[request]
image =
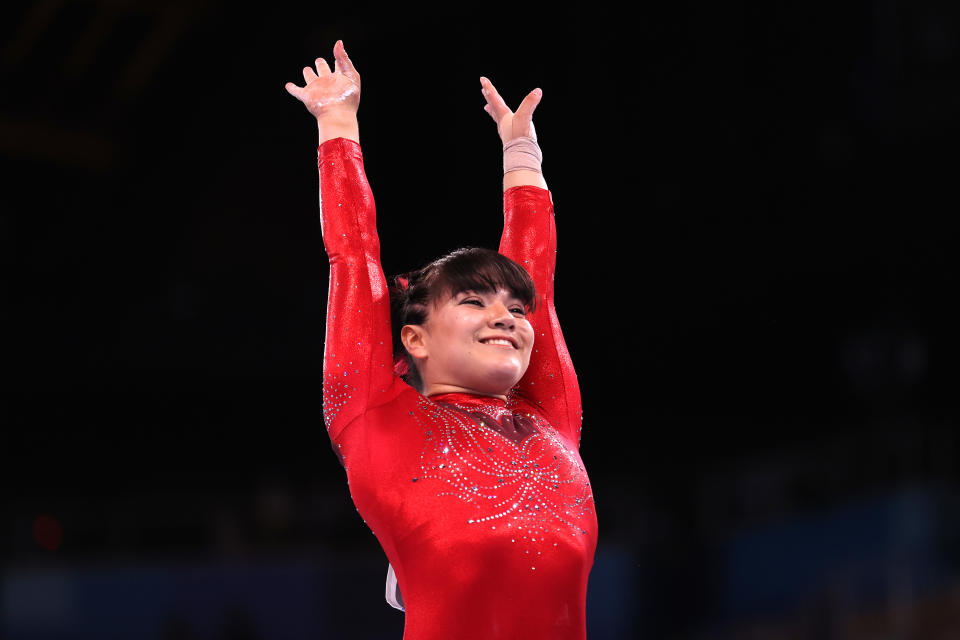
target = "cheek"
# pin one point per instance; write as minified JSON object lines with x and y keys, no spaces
{"x":526,"y":327}
{"x":450,"y":325}
{"x":456,"y":332}
{"x":527,"y":334}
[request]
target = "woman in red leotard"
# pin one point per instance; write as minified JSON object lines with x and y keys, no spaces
{"x":462,"y":455}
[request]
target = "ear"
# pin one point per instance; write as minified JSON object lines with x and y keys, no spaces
{"x":414,"y":340}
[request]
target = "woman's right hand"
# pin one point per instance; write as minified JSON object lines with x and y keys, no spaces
{"x":333,"y":97}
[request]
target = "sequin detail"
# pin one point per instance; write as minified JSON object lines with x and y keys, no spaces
{"x":335,"y":394}
{"x":535,"y":485}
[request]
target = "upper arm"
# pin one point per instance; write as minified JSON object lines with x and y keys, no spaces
{"x":530,"y":238}
{"x":357,"y":364}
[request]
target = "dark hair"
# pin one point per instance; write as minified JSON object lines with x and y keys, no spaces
{"x":466,"y":269}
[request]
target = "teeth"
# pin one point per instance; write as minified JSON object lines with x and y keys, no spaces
{"x":498,"y":341}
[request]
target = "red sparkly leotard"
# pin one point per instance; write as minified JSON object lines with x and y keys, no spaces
{"x":483,"y":507}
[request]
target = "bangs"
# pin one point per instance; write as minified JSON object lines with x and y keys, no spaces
{"x":483,"y":271}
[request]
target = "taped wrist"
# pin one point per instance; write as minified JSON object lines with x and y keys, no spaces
{"x":522,"y":153}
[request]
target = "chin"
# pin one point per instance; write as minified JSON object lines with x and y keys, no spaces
{"x":503,"y":380}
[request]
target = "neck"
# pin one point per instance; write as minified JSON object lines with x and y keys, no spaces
{"x":439,"y":388}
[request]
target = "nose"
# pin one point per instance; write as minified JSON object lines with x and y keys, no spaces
{"x":501,"y":317}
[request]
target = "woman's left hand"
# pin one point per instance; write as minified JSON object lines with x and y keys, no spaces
{"x":510,"y":124}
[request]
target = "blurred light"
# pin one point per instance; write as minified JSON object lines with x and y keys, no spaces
{"x":48,"y":532}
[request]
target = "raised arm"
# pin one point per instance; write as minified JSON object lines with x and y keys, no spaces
{"x":357,"y":369}
{"x":530,"y":238}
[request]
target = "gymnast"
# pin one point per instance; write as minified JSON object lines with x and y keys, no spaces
{"x":450,"y":397}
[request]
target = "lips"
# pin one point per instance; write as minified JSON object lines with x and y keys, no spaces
{"x":504,"y":341}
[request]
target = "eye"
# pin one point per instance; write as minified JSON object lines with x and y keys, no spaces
{"x":475,"y":301}
{"x":518,"y":310}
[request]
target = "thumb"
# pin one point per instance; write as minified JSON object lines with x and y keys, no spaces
{"x":529,"y":104}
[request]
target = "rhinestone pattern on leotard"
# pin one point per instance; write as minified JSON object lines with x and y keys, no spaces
{"x":513,"y":467}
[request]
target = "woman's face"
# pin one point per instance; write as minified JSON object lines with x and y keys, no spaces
{"x":475,"y":343}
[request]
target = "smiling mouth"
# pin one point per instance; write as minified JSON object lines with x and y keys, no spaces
{"x":502,"y":342}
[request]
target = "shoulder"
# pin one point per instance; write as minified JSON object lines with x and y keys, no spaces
{"x":545,"y":419}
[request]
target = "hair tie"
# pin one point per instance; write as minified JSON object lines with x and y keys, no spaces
{"x":401,"y":367}
{"x":403,"y":282}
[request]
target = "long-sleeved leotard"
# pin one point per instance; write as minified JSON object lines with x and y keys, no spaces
{"x":483,"y":507}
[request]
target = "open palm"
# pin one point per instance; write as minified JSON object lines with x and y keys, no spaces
{"x":325,"y":90}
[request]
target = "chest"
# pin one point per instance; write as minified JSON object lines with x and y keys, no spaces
{"x":467,"y":476}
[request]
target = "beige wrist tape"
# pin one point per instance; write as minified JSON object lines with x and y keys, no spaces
{"x":522,"y":153}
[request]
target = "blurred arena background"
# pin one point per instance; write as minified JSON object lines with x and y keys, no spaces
{"x":757,"y":277}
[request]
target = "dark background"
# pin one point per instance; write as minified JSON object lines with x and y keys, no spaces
{"x":757,"y":278}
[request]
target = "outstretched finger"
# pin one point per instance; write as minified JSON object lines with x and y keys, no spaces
{"x":323,"y":68}
{"x":295,"y":91}
{"x":489,"y":111}
{"x":529,"y":104}
{"x":342,"y":63}
{"x":309,"y":75}
{"x":498,"y":108}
